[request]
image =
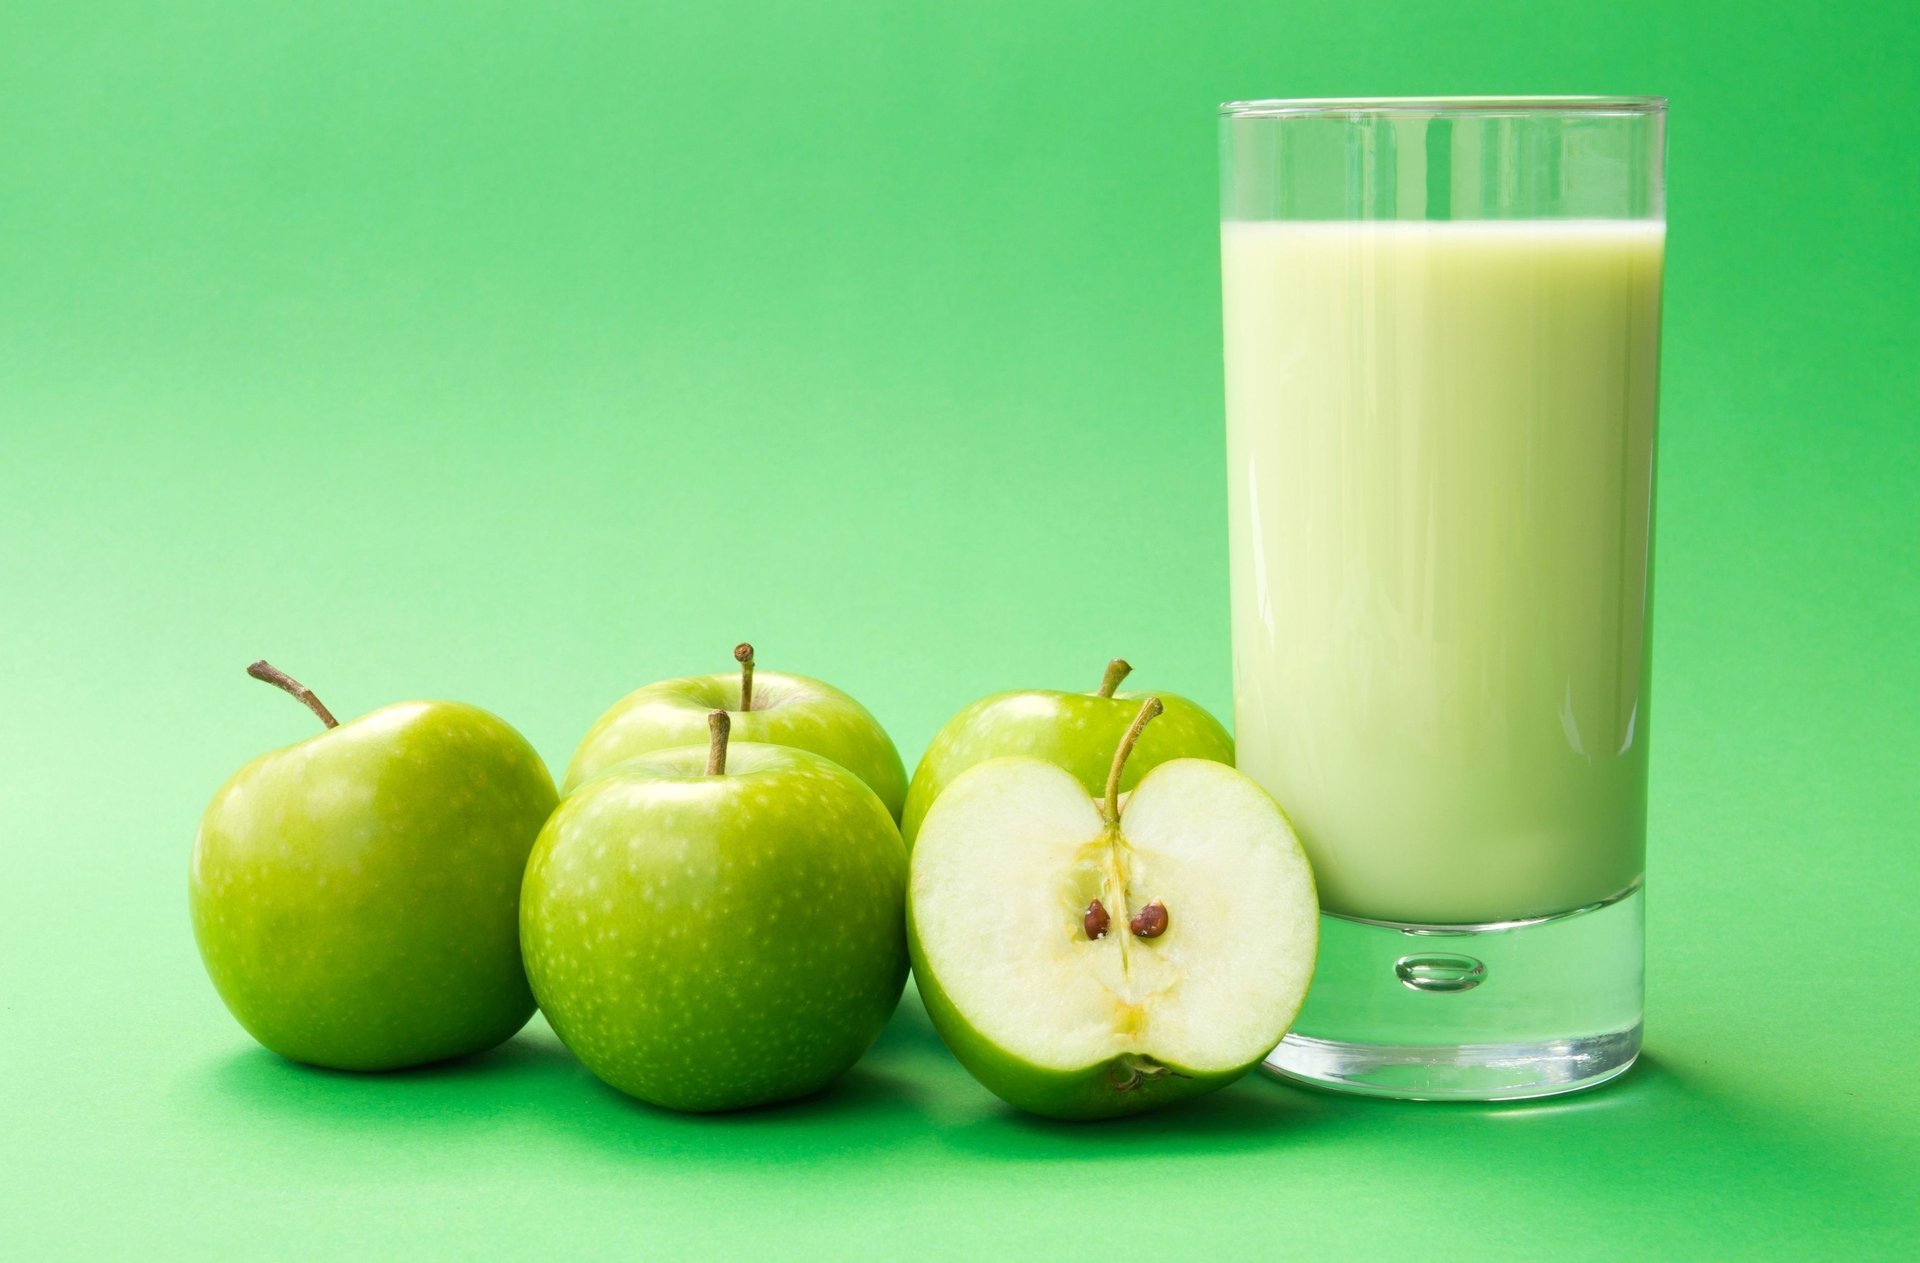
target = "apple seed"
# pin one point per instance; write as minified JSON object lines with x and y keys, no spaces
{"x":1150,"y":921}
{"x":1095,"y":922}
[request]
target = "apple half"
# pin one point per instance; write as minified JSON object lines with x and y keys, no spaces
{"x":1084,"y":963}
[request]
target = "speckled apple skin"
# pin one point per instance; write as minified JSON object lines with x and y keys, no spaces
{"x":355,"y":897}
{"x":715,"y":942}
{"x":788,"y":710}
{"x":1075,"y":731}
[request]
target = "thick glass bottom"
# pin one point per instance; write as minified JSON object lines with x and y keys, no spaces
{"x":1494,"y":1012}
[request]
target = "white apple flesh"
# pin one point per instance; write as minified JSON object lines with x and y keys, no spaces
{"x":1180,"y":1001}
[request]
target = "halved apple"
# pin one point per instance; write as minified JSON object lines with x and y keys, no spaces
{"x":1085,"y":963}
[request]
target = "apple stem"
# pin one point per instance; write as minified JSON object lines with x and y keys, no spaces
{"x":718,"y":726}
{"x":1117,"y":670}
{"x":743,"y":654}
{"x":1148,"y":709}
{"x":264,"y":670}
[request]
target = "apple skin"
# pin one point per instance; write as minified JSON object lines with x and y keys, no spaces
{"x":355,"y":896}
{"x":1084,"y":1097}
{"x":1074,"y":731}
{"x":789,"y":710}
{"x":715,"y":942}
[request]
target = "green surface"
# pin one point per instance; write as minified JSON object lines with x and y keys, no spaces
{"x":521,"y":355}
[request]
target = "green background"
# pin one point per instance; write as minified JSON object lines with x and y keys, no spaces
{"x":521,"y":354}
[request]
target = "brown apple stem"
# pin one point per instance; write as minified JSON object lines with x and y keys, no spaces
{"x":743,"y":654}
{"x":718,"y":726}
{"x":264,"y":670}
{"x":1148,"y":709}
{"x":1117,"y":670}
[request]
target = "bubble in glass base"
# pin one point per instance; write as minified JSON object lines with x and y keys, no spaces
{"x":1497,"y":1012}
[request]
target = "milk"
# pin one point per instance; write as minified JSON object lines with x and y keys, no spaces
{"x":1440,"y":451}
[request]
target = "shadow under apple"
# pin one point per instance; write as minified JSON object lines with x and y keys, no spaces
{"x":472,"y":1090}
{"x":534,"y":1090}
{"x":1243,"y":1117}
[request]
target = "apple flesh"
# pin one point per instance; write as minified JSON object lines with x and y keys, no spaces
{"x":787,"y":710}
{"x":1075,"y":731}
{"x":355,"y":896}
{"x":713,"y":941}
{"x":1182,"y":979}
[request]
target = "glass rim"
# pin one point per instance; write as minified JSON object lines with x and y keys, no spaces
{"x":1378,"y":106}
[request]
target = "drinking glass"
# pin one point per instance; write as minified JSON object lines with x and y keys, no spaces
{"x":1442,"y":328}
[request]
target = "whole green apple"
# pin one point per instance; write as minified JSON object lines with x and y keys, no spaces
{"x":1075,"y":731}
{"x":772,"y":708}
{"x":713,"y":928}
{"x":355,"y":896}
{"x":1084,"y":961}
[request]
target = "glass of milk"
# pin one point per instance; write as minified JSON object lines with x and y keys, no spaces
{"x":1442,"y":325}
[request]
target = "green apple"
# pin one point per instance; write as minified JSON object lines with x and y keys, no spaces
{"x":355,"y":895}
{"x":772,"y":708}
{"x":711,"y":928}
{"x":1084,"y":962}
{"x":1075,"y":731}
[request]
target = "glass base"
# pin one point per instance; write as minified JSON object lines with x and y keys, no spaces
{"x":1494,"y":1012}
